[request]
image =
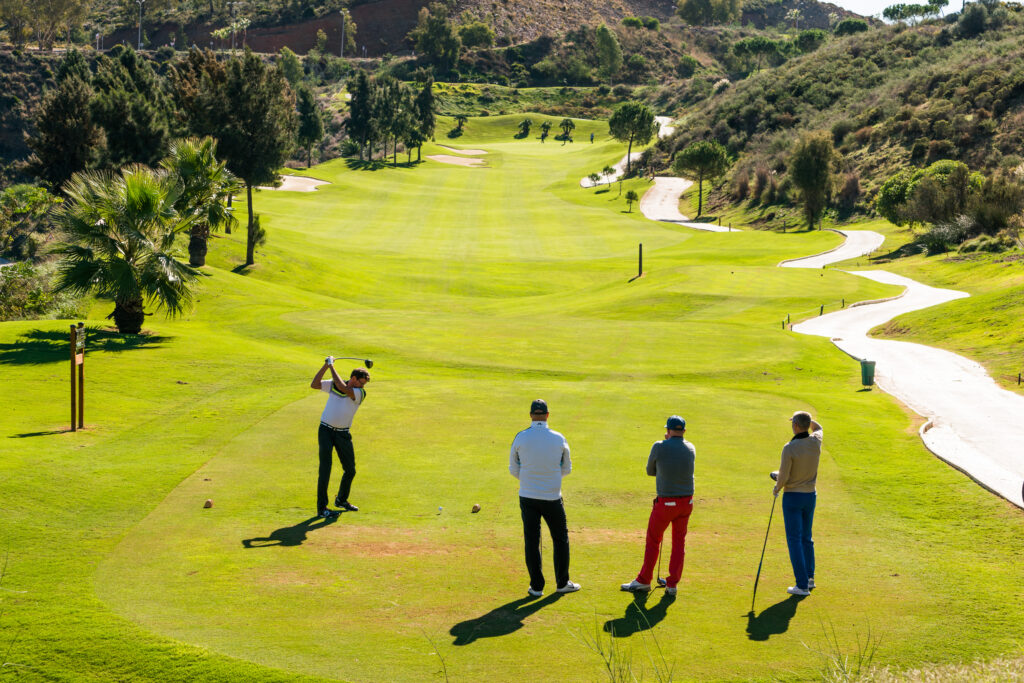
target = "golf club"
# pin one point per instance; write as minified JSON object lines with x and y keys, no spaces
{"x":758,"y":577}
{"x":366,"y":361}
{"x":661,"y":581}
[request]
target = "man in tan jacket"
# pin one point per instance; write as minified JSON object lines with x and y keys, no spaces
{"x":797,"y":476}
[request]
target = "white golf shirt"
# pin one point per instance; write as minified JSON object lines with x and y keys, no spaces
{"x":340,"y":409}
{"x":539,"y":459}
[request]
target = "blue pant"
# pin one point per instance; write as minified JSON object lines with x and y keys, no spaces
{"x":798,"y":513}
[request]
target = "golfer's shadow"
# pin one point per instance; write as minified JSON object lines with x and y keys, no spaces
{"x":289,"y":535}
{"x":772,"y":621}
{"x":638,"y":616}
{"x":500,"y":621}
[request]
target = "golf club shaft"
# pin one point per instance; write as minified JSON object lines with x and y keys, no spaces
{"x":758,"y":577}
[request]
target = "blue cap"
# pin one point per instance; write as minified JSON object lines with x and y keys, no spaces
{"x":675,"y":422}
{"x":539,"y":407}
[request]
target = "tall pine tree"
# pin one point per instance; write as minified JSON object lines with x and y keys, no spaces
{"x":257,"y":126}
{"x":311,"y":123}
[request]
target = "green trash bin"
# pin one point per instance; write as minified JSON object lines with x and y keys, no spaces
{"x":867,"y":372}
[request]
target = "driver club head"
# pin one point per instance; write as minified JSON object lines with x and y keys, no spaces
{"x":368,"y":363}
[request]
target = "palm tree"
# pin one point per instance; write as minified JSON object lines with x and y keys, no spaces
{"x":205,"y":182}
{"x":567,"y":127}
{"x":121,"y":229}
{"x":524,"y":127}
{"x":460,"y":121}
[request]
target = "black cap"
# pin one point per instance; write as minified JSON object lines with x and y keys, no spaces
{"x":675,"y":422}
{"x":539,"y":407}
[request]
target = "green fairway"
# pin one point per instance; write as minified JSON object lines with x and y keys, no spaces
{"x":475,"y":290}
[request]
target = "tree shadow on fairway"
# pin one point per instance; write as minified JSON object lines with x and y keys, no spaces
{"x":500,"y":621}
{"x":361,"y":165}
{"x":638,"y":616}
{"x":289,"y":535}
{"x":52,"y":346}
{"x":772,"y":621}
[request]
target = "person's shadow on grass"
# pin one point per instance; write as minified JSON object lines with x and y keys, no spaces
{"x":772,"y":621}
{"x":638,"y":616}
{"x":289,"y":535}
{"x":500,"y":621}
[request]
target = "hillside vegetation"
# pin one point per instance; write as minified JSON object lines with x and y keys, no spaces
{"x":892,"y":97}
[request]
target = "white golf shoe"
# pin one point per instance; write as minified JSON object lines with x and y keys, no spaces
{"x":810,"y":584}
{"x":797,"y":590}
{"x":569,"y":587}
{"x":635,"y":585}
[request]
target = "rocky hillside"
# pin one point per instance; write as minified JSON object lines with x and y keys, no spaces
{"x":384,"y":24}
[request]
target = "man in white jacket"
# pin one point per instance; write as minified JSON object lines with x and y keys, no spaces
{"x":539,"y":459}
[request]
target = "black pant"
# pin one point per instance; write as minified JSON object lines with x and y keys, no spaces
{"x":329,"y":440}
{"x":553,"y":513}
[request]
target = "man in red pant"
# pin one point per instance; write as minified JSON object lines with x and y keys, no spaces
{"x":671,"y":462}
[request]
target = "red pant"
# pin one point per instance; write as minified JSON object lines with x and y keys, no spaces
{"x":675,"y":511}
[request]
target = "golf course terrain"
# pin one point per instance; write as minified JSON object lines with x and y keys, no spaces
{"x":476,"y":289}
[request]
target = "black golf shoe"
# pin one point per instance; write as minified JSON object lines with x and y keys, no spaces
{"x":345,"y":505}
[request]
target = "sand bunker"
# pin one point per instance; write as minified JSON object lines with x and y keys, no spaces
{"x":470,"y":152}
{"x":297,"y":183}
{"x":457,"y":161}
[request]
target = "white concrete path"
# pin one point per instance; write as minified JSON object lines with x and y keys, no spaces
{"x":620,"y":168}
{"x":973,"y":423}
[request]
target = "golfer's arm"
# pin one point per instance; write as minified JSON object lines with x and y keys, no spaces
{"x":815,"y":427}
{"x":513,"y":463}
{"x":784,"y":467}
{"x":341,"y":385}
{"x":315,"y":384}
{"x":566,"y":462}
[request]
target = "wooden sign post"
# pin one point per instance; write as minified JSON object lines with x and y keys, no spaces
{"x":78,"y":362}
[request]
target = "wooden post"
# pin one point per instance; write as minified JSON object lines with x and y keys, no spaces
{"x":80,"y":358}
{"x":822,"y":311}
{"x":74,"y":346}
{"x":844,"y":302}
{"x":640,"y":267}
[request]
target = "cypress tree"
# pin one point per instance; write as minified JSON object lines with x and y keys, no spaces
{"x":424,"y":107}
{"x":311,"y":124}
{"x":358,"y":124}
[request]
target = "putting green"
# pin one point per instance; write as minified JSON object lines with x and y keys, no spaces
{"x":476,"y":290}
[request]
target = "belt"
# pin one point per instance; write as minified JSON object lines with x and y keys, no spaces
{"x":333,"y":428}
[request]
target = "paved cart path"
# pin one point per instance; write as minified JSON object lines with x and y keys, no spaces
{"x":973,"y":423}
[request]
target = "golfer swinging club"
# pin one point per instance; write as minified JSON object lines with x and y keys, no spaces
{"x":539,"y":459}
{"x":343,"y":400}
{"x":671,"y":462}
{"x":797,"y":476}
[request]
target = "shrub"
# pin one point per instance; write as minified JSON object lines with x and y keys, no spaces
{"x":849,"y":192}
{"x":622,"y":90}
{"x":742,"y":185}
{"x":842,"y":128}
{"x":633,"y":22}
{"x":972,"y":20}
{"x":943,"y":236}
{"x":989,"y":243}
{"x":651,"y":24}
{"x":721,"y":85}
{"x":848,"y":27}
{"x":603,"y":89}
{"x":687,"y":66}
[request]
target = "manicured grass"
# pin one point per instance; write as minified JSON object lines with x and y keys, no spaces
{"x":475,"y":290}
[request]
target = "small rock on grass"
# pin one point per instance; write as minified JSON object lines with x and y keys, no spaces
{"x":208,"y":503}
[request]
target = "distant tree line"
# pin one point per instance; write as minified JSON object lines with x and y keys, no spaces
{"x":384,"y":111}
